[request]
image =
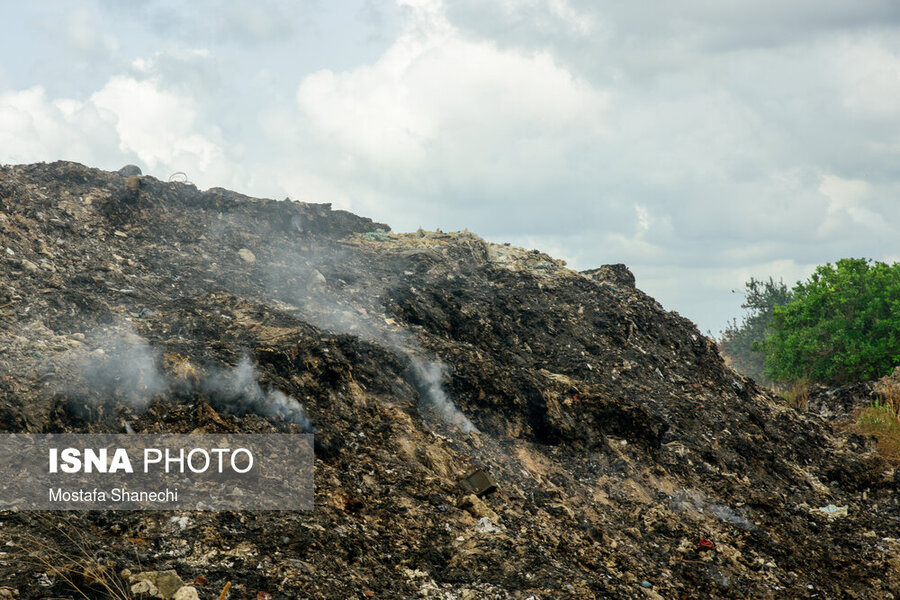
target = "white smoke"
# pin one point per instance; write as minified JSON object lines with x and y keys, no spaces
{"x":294,"y":281}
{"x":238,"y":391}
{"x":433,"y":398}
{"x":120,"y":369}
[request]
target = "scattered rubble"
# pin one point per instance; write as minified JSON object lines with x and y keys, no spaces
{"x":627,"y":460}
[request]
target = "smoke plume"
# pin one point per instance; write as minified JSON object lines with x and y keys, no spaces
{"x":294,"y":282}
{"x":120,"y":370}
{"x":433,"y":398}
{"x":238,"y":391}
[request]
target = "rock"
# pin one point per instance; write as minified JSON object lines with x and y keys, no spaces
{"x":129,"y":170}
{"x":160,"y":584}
{"x":651,"y":594}
{"x":144,"y":587}
{"x":168,"y":583}
{"x":8,"y":593}
{"x":247,"y":256}
{"x":187,"y":592}
{"x":476,"y":507}
{"x":28,"y":265}
{"x":479,"y":482}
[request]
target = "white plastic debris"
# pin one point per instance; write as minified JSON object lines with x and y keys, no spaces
{"x":831,"y":511}
{"x":485,"y":525}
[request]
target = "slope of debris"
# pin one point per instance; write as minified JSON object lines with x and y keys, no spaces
{"x":627,"y":460}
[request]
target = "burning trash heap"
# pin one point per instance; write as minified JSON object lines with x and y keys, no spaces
{"x":487,"y":422}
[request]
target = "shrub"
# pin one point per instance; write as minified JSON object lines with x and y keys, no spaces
{"x":841,"y":326}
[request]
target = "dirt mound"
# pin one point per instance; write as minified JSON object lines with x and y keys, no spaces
{"x":628,"y":460}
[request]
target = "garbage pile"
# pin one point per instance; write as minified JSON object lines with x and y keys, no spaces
{"x":488,"y":423}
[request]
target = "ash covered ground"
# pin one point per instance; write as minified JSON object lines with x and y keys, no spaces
{"x":629,"y":461}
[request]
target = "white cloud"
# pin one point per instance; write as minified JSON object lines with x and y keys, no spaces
{"x":156,"y":125}
{"x":34,"y":128}
{"x":260,"y":21}
{"x":846,"y":206}
{"x":125,"y":121}
{"x":248,"y":23}
{"x":643,"y":218}
{"x":438,"y":111}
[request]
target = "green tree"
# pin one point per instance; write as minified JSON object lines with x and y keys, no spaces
{"x":841,"y":326}
{"x":740,"y":343}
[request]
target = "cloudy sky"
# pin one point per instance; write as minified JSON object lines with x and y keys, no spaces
{"x":701,"y":142}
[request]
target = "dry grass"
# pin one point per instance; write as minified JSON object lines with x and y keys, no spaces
{"x":77,"y":565}
{"x":882,"y":419}
{"x":797,"y":394}
{"x":181,"y":369}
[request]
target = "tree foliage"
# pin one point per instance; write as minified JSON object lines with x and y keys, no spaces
{"x":740,"y":343}
{"x":842,"y":325}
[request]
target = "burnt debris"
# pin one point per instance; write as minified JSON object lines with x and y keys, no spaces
{"x":611,"y":452}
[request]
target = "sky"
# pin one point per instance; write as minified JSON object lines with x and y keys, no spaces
{"x":700,"y":142}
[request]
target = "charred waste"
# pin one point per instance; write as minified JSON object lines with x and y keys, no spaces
{"x":488,"y":423}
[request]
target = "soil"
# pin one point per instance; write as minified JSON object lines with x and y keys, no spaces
{"x":628,"y":461}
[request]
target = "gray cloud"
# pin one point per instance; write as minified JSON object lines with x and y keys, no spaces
{"x":723,"y":26}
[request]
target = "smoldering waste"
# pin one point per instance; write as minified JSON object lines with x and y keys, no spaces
{"x":624,"y":460}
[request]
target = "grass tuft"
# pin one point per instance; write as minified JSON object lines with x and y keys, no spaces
{"x":75,"y":563}
{"x":882,"y":419}
{"x":797,"y":394}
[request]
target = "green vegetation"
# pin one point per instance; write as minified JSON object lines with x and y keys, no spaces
{"x":842,"y":325}
{"x":740,"y":343}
